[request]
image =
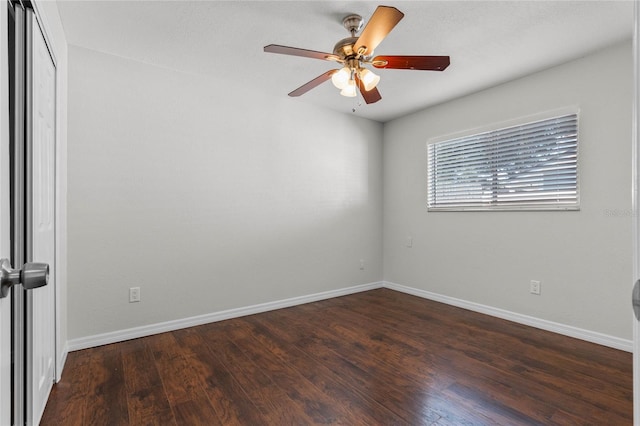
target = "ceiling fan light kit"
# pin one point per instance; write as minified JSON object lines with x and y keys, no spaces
{"x":356,"y":52}
{"x":349,"y":89}
{"x":341,"y":77}
{"x":369,"y":79}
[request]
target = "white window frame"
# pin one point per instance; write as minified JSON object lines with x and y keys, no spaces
{"x":486,"y":130}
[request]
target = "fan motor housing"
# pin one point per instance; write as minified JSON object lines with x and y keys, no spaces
{"x":344,"y":48}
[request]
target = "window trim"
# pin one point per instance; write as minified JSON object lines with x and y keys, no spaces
{"x":521,"y":121}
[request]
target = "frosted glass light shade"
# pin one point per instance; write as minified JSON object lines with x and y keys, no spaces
{"x":369,"y":79}
{"x":349,"y":90}
{"x":341,"y":78}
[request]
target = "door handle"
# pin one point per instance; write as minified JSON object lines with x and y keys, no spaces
{"x":32,"y":275}
{"x":635,"y":299}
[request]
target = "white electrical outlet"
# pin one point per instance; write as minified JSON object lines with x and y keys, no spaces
{"x":534,"y":287}
{"x":361,"y":264}
{"x":134,"y":294}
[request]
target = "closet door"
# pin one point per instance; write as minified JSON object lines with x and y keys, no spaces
{"x":27,"y":222}
{"x":5,"y":239}
{"x":40,"y":218}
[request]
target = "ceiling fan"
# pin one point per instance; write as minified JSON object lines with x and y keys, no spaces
{"x":356,"y":52}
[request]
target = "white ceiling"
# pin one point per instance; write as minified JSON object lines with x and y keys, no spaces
{"x":489,"y":42}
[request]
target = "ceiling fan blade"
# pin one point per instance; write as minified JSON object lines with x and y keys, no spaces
{"x":313,"y":83}
{"x":370,"y":97}
{"x":428,"y":63}
{"x":381,"y":23}
{"x":286,"y":50}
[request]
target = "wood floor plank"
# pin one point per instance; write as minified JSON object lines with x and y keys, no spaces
{"x":179,"y":381}
{"x":377,"y":357}
{"x":146,"y":399}
{"x":584,"y":387}
{"x":302,"y":385}
{"x":393,"y":387}
{"x":477,"y":362}
{"x":575,"y":350}
{"x":313,"y":402}
{"x":107,"y":402}
{"x":326,"y":379}
{"x":197,"y":411}
{"x":230,"y":402}
{"x":270,"y":399}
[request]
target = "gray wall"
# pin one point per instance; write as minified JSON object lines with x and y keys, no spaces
{"x":583,"y":259}
{"x":209,"y":196}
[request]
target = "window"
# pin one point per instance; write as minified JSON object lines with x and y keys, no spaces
{"x":532,"y":166}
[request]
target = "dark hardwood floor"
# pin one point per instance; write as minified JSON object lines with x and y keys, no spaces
{"x":374,"y":358}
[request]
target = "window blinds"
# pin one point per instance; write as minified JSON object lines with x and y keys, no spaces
{"x":530,"y":166}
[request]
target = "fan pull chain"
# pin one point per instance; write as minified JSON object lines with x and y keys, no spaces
{"x":357,"y":104}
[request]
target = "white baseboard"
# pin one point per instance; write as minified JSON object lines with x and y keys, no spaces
{"x":148,"y":330}
{"x":567,"y":330}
